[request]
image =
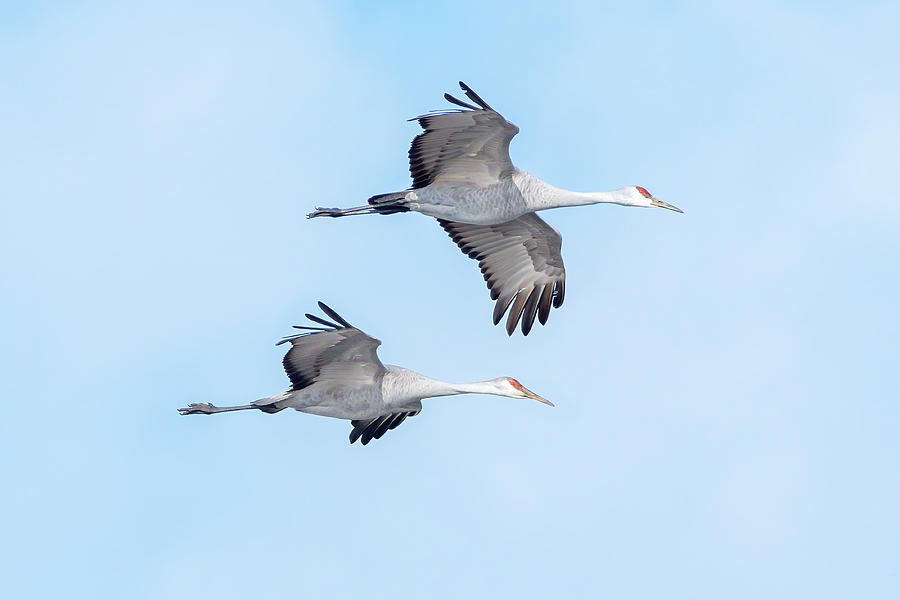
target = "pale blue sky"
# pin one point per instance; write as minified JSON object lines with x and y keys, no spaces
{"x":726,"y":380}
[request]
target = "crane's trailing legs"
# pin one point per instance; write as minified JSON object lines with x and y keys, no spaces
{"x":205,"y":408}
{"x":382,"y":204}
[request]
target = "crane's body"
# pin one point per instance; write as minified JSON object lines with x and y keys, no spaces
{"x":395,"y":390}
{"x":463,"y":176}
{"x":497,"y":203}
{"x":508,"y":199}
{"x":335,"y":372}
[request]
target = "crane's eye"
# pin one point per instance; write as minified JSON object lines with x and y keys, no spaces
{"x":643,"y":192}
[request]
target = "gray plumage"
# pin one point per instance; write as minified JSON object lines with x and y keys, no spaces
{"x":521,"y":263}
{"x":462,"y":146}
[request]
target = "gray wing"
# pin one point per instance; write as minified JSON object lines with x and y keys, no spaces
{"x":341,"y":354}
{"x":337,"y":352}
{"x":468,"y":146}
{"x":522,"y":265}
{"x":370,"y":429}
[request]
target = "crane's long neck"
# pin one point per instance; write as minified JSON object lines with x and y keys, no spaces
{"x":540,"y":195}
{"x":475,"y":387}
{"x":401,"y":385}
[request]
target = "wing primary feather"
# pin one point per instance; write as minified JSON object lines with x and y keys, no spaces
{"x":369,"y":433}
{"x":546,"y":303}
{"x":560,"y":293}
{"x":521,"y":263}
{"x":356,"y":432}
{"x":309,"y":328}
{"x":459,"y":102}
{"x":475,"y":97}
{"x":316,"y":319}
{"x":385,"y":425}
{"x":331,"y":313}
{"x":291,"y":338}
{"x":397,"y":420}
{"x":367,"y":430}
{"x":515,"y":313}
{"x":530,"y":311}
{"x":500,"y":308}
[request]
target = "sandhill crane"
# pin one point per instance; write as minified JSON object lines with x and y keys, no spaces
{"x":335,"y":372}
{"x":463,"y":176}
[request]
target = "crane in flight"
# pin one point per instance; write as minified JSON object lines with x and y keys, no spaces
{"x":463,"y":176}
{"x":335,"y":372}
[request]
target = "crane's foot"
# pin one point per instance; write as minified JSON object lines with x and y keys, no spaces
{"x":202,"y":408}
{"x":342,"y":212}
{"x":326,"y":212}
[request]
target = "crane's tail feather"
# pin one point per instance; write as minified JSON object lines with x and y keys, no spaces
{"x":271,"y":404}
{"x":388,"y":204}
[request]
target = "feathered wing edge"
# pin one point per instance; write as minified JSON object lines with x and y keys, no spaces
{"x":471,"y":95}
{"x":369,"y":429}
{"x":318,"y":346}
{"x":364,"y":430}
{"x":426,"y":154}
{"x":329,"y":326}
{"x":527,"y":301}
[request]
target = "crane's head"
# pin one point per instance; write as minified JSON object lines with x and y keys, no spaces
{"x":507,"y":386}
{"x":638,"y":196}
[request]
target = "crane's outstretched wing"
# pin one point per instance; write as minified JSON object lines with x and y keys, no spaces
{"x":337,"y":352}
{"x":521,"y":263}
{"x":462,"y":146}
{"x":377,"y":427}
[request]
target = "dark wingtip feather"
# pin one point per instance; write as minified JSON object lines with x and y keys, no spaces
{"x":459,"y":102}
{"x":370,"y":430}
{"x":546,"y":303}
{"x":500,"y":308}
{"x":331,"y":313}
{"x":530,"y":311}
{"x":560,"y":293}
{"x":383,"y":427}
{"x":470,"y":93}
{"x":369,"y":433}
{"x":306,"y":331}
{"x":322,"y":321}
{"x":515,"y":313}
{"x":511,"y":324}
{"x":291,"y":338}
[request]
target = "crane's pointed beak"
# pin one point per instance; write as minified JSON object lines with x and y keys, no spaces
{"x":529,"y":394}
{"x":661,"y":204}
